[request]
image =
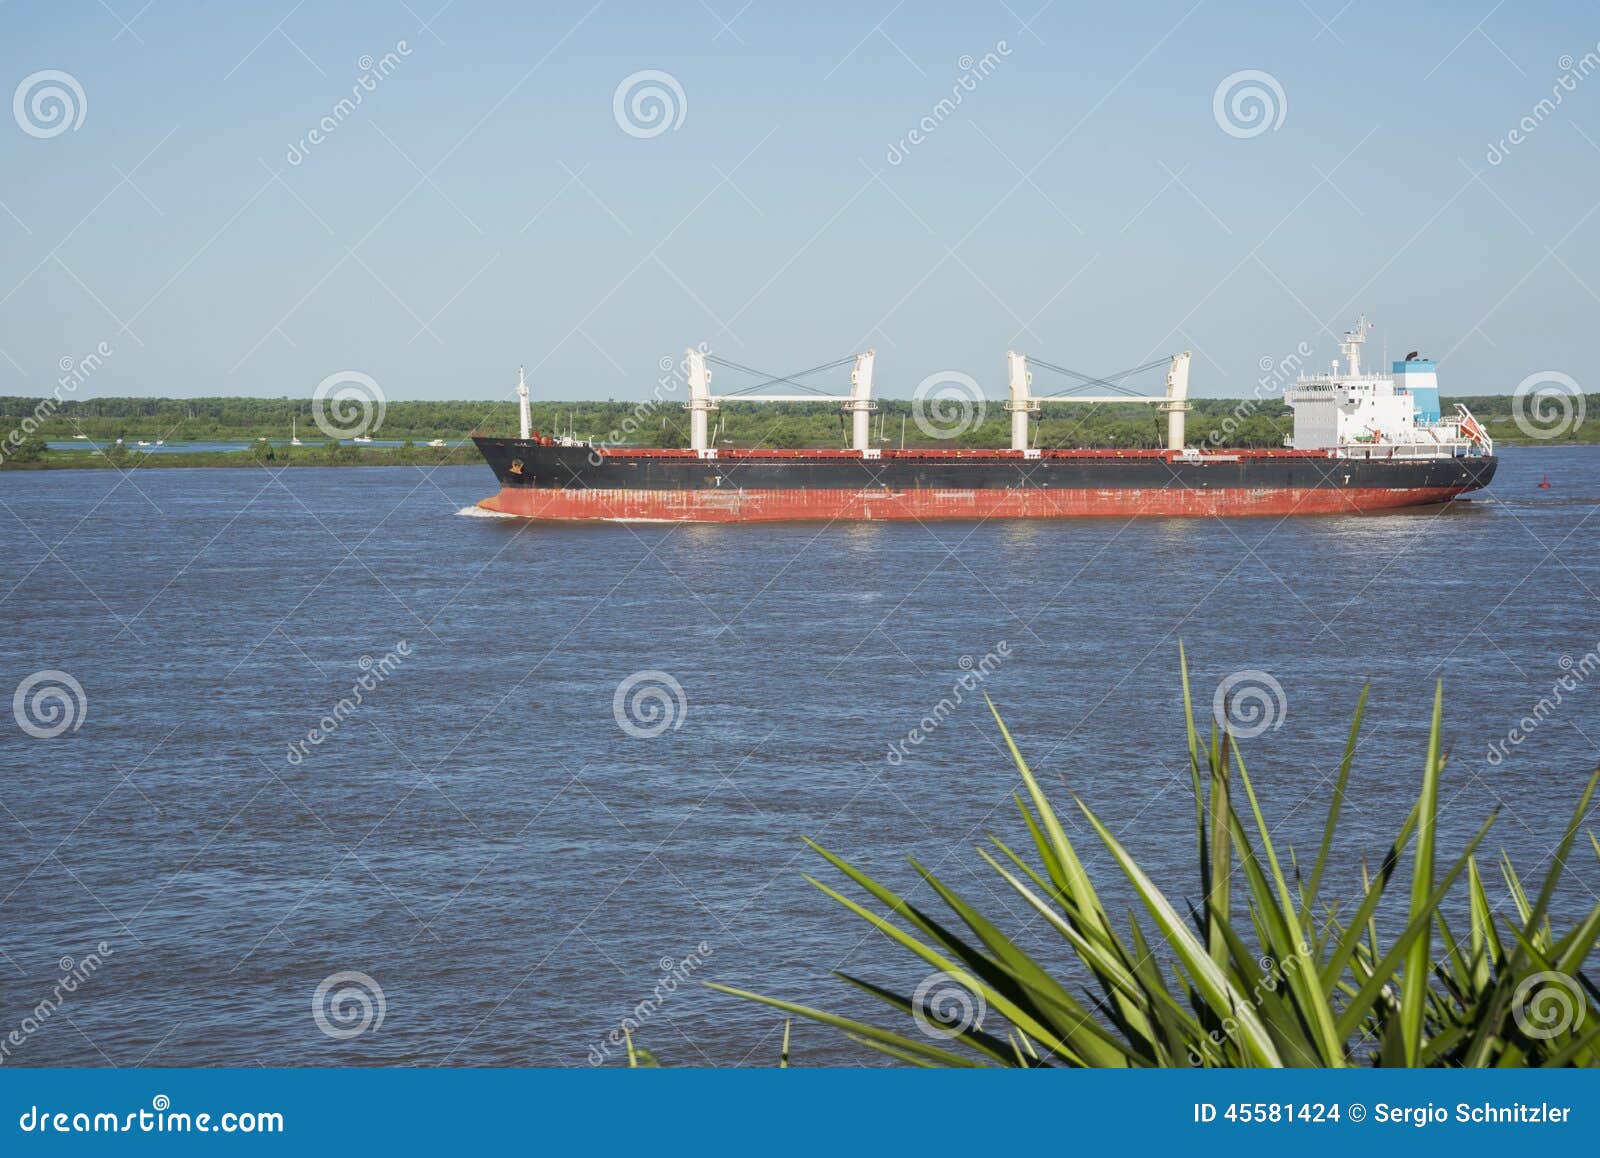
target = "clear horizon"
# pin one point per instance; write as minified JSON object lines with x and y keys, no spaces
{"x":246,"y":201}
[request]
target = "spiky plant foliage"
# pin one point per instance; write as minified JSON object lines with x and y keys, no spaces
{"x":1278,"y":976}
{"x":639,"y":1058}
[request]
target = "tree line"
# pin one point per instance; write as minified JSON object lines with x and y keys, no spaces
{"x":1211,"y":422}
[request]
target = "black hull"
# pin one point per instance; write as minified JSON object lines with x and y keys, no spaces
{"x":547,"y":481}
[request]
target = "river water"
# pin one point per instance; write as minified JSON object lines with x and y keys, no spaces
{"x":517,"y":864}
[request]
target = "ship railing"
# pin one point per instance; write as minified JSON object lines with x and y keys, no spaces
{"x":1446,"y":448}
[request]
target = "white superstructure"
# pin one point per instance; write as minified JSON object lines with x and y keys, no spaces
{"x":1351,"y":414}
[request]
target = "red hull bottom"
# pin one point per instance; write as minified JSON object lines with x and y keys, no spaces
{"x":745,"y":506}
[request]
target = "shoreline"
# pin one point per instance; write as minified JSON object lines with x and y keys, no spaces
{"x":465,"y":455}
{"x":233,"y":459}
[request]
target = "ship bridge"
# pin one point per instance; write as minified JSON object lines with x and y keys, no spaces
{"x":1353,"y":414}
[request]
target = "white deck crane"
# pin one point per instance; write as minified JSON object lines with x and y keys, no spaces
{"x":858,"y":403}
{"x":1023,"y":402}
{"x":525,"y":419}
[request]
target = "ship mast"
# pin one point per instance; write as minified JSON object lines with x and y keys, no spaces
{"x":1176,"y":405}
{"x":1351,"y":346}
{"x":860,"y":405}
{"x":700,"y":402}
{"x":522,"y":405}
{"x":1021,"y":403}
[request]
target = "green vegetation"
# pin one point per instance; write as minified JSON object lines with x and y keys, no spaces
{"x":245,"y":419}
{"x":1281,"y":976}
{"x":1212,"y":422}
{"x":29,"y":450}
{"x":258,"y":454}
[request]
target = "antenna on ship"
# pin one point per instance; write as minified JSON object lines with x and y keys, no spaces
{"x":1351,"y":346}
{"x":526,"y":420}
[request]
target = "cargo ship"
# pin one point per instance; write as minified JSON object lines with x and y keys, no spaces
{"x":1360,"y":442}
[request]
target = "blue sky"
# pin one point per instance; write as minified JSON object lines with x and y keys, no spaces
{"x":483,"y":206}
